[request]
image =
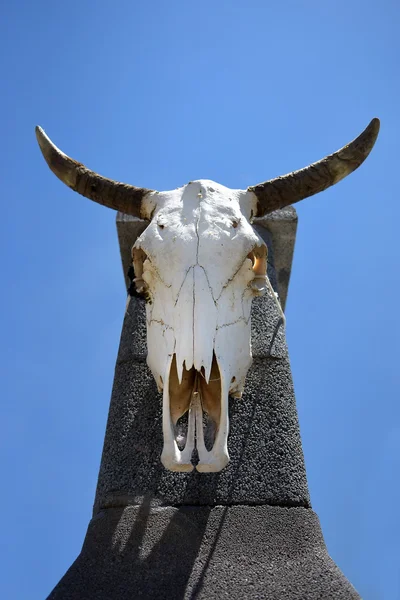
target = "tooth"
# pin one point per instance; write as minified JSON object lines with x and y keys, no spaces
{"x":207,"y":370}
{"x":179,"y":368}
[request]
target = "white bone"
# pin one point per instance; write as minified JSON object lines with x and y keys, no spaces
{"x":217,"y":458}
{"x":204,"y":322}
{"x":172,"y":458}
{"x":192,"y":260}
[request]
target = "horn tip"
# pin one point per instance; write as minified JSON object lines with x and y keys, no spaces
{"x":39,"y":131}
{"x":48,"y":149}
{"x":374,"y":126}
{"x":369,"y":136}
{"x":42,"y":138}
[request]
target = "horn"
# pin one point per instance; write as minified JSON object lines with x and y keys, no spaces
{"x":317,"y":177}
{"x":119,"y":196}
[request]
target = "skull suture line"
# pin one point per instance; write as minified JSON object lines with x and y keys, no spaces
{"x":199,"y":263}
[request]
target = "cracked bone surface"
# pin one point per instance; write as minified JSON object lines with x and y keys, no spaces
{"x":200,"y":264}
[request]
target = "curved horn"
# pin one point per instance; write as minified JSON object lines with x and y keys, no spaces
{"x":317,"y":177}
{"x":119,"y":196}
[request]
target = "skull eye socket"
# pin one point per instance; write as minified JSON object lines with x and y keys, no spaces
{"x":258,"y":257}
{"x":138,"y":258}
{"x":252,"y":257}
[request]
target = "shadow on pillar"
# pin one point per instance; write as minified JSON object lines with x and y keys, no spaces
{"x":136,"y":552}
{"x":205,"y":553}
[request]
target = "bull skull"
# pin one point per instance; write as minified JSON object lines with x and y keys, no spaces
{"x":199,"y":264}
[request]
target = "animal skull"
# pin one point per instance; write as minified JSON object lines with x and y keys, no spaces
{"x":200,"y":263}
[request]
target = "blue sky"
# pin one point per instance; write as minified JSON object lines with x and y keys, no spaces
{"x":157,"y":94}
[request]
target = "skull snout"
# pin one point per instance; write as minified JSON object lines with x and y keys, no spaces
{"x":195,"y":420}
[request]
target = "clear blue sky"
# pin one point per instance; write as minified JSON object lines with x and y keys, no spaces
{"x":156,"y":94}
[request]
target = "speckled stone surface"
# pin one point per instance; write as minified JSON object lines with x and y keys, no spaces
{"x":207,"y":553}
{"x":266,"y":456}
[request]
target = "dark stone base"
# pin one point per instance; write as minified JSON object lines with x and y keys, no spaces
{"x":176,"y":553}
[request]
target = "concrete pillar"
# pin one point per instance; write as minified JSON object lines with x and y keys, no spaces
{"x":247,"y":532}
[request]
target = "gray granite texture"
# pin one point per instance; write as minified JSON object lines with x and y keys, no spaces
{"x":281,"y":226}
{"x":266,"y":455}
{"x":206,"y":553}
